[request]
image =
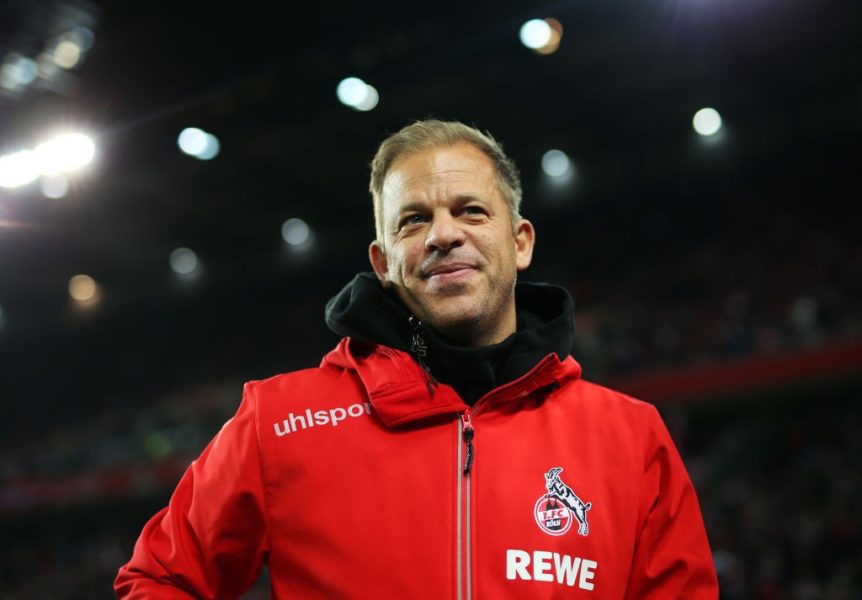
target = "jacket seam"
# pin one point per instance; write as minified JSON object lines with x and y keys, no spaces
{"x":263,"y":491}
{"x":422,"y":413}
{"x":645,"y":428}
{"x":393,"y":387}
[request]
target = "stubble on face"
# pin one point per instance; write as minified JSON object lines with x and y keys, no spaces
{"x":449,"y":250}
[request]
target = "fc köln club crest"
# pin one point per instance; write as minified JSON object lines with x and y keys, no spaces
{"x":556,"y":510}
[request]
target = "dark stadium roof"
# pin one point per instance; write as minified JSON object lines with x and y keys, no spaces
{"x":618,"y":97}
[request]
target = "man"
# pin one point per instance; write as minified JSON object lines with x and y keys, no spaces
{"x":448,"y":447}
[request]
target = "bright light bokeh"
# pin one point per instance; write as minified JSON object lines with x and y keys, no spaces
{"x":18,"y":169}
{"x":706,"y":121}
{"x":192,"y":140}
{"x":198,"y":143}
{"x":535,"y":33}
{"x":47,"y":67}
{"x":542,"y":35}
{"x":211,"y":149}
{"x":184,"y":261}
{"x":67,"y":53}
{"x":65,"y":153}
{"x":54,"y":186}
{"x":357,"y":94}
{"x":9,"y":75}
{"x":27,"y":70}
{"x":556,"y":36}
{"x":83,"y":288}
{"x":295,"y":232}
{"x":83,"y":36}
{"x":370,"y":101}
{"x":351,"y":91}
{"x":555,"y":163}
{"x":17,"y":71}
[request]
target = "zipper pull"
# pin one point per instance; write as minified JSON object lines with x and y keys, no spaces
{"x":468,"y":438}
{"x":420,"y":349}
{"x":418,"y":346}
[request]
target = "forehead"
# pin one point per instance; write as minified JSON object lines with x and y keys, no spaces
{"x":439,"y":170}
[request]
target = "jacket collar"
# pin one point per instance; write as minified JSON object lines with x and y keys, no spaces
{"x":364,"y":311}
{"x":398,"y":389}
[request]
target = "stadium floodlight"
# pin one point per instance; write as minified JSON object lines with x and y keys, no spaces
{"x":54,"y":186}
{"x":535,"y":33}
{"x":17,"y":71}
{"x":351,"y":91}
{"x":370,"y":101}
{"x":198,"y":143}
{"x":82,"y":36}
{"x":357,"y":94}
{"x":28,"y":70}
{"x":542,"y":35}
{"x":62,"y":154}
{"x":556,"y":163}
{"x":18,"y":169}
{"x":192,"y":141}
{"x":706,"y":122}
{"x":83,"y":288}
{"x":65,"y":153}
{"x":212,"y":148}
{"x":67,"y":54}
{"x":295,"y":231}
{"x":183,"y":261}
{"x":69,"y":48}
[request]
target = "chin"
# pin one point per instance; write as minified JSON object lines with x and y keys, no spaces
{"x":454,"y":324}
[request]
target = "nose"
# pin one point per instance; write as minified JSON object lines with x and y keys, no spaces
{"x":444,"y":233}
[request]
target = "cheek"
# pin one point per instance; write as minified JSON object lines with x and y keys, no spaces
{"x":484,"y":243}
{"x":398,"y":264}
{"x":498,"y":248}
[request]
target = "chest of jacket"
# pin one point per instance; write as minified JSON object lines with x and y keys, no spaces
{"x":548,"y":509}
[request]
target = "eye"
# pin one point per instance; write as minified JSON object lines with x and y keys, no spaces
{"x":473,"y":210}
{"x":414,"y":219}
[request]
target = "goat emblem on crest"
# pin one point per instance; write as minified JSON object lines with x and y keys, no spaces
{"x":556,"y":510}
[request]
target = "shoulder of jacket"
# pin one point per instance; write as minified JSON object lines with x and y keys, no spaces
{"x":292,"y":381}
{"x":612,"y":401}
{"x":629,"y":419}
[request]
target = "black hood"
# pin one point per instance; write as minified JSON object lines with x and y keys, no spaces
{"x":364,"y":310}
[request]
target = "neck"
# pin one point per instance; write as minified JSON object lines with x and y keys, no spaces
{"x":478,"y":335}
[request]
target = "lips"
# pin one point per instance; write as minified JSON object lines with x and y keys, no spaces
{"x":448,"y":269}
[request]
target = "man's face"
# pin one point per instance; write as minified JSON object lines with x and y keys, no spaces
{"x":448,"y":247}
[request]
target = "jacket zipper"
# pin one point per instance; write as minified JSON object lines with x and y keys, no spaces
{"x":465,"y":442}
{"x":466,"y":434}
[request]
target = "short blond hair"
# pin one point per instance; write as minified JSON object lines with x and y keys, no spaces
{"x":422,"y":135}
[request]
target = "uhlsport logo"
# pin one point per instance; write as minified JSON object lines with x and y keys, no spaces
{"x":556,"y":510}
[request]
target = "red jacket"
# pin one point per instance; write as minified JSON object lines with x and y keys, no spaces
{"x":349,"y":481}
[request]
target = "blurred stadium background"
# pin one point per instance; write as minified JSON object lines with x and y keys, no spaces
{"x":144,"y":274}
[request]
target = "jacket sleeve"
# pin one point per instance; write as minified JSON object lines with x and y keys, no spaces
{"x":211,"y":540}
{"x":672,"y":558}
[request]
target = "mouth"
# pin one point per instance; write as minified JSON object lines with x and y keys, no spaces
{"x":449,"y":272}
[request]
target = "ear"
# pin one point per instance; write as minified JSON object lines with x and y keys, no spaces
{"x":377,"y":256}
{"x":525,"y":239}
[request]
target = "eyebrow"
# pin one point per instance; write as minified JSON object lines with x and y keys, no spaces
{"x":418,"y":206}
{"x":411,"y":207}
